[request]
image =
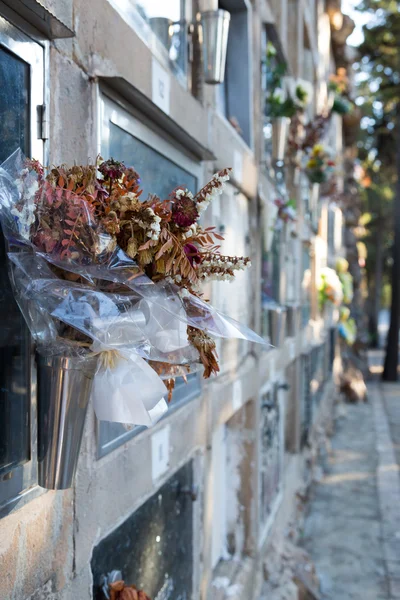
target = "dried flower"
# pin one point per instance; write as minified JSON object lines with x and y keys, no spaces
{"x":120,"y":591}
{"x":184,"y":211}
{"x":112,"y":169}
{"x":192,"y":253}
{"x":286,"y":212}
{"x":35,"y":165}
{"x":132,"y":175}
{"x":214,"y":188}
{"x":205,"y":346}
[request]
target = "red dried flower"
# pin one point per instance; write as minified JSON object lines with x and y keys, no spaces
{"x":35,"y":165}
{"x":184,"y":212}
{"x":112,"y":169}
{"x":192,"y":253}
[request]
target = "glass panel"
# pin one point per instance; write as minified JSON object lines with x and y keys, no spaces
{"x":306,"y":398}
{"x":270,"y":275}
{"x":158,"y":174}
{"x":331,"y":232}
{"x":14,"y":104}
{"x":153,"y":547}
{"x":231,"y":217}
{"x":222,"y":97}
{"x":14,"y":338}
{"x":167,"y":20}
{"x":270,"y":450}
{"x":306,"y":285}
{"x":171,"y":10}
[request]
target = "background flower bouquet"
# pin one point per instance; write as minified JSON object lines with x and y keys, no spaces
{"x":329,"y":288}
{"x":319,"y":166}
{"x":286,"y":212}
{"x":338,"y":89}
{"x":286,"y":101}
{"x":347,"y":326}
{"x":346,"y":279}
{"x":286,"y":95}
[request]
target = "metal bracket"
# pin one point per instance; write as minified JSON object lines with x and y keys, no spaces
{"x":43,"y":122}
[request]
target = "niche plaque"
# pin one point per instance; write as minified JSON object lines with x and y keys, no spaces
{"x":153,"y":548}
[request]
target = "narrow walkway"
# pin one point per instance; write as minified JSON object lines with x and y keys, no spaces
{"x":352,"y":530}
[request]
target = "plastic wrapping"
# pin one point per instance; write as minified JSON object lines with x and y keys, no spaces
{"x":115,"y":390}
{"x":79,"y":291}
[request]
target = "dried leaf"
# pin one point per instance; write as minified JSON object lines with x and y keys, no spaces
{"x":132,"y":248}
{"x":146,"y":245}
{"x":160,"y":265}
{"x":164,"y":248}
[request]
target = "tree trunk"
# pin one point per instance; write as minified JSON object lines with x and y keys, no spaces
{"x":376,"y":301}
{"x":392,"y":345}
{"x":370,"y":307}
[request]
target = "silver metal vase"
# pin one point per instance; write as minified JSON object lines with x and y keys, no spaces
{"x":293,"y":319}
{"x":277,"y":325}
{"x":280,"y":135}
{"x":215,"y":30}
{"x":64,"y":386}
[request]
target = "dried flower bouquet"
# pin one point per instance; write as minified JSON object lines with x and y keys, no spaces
{"x":104,"y":271}
{"x":286,"y":212}
{"x":320,"y":166}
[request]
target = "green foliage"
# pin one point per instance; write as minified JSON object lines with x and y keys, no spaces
{"x":341,"y":105}
{"x":378,"y":86}
{"x":278,"y":102}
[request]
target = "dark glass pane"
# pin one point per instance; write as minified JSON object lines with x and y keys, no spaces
{"x":270,"y":452}
{"x":159,"y":175}
{"x":14,"y":338}
{"x":276,"y":267}
{"x":305,"y":285}
{"x":14,"y":105}
{"x":154,"y":547}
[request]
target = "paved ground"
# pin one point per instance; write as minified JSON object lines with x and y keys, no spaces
{"x":391,"y":398}
{"x":352,"y":530}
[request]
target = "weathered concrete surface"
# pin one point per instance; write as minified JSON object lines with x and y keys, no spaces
{"x":391,"y":400}
{"x":388,"y":486}
{"x":350,"y":529}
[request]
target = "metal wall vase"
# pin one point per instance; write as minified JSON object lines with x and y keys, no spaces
{"x":277,"y":325}
{"x":280,"y":134}
{"x":64,"y":386}
{"x":215,"y":30}
{"x":293,"y":319}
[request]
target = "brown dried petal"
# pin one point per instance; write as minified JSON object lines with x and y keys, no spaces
{"x":132,"y":248}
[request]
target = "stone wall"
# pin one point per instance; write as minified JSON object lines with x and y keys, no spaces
{"x":46,"y":543}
